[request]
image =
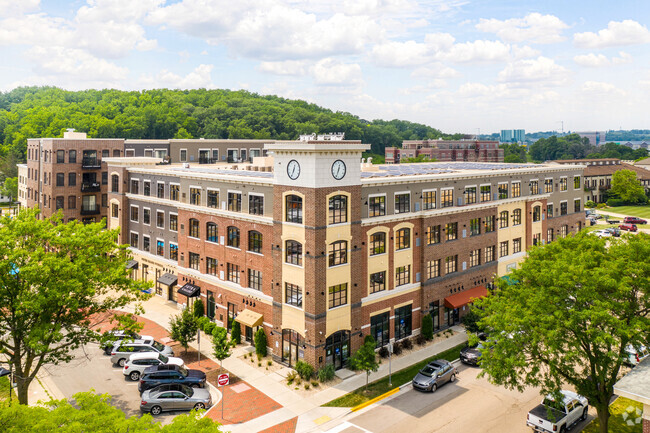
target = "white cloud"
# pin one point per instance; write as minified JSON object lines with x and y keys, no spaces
{"x":200,"y":77}
{"x":541,"y":71}
{"x":18,"y":7}
{"x":437,"y":70}
{"x":332,"y":72}
{"x":617,"y":33}
{"x":288,"y":67}
{"x":439,"y":41}
{"x":482,"y":51}
{"x":592,"y":60}
{"x":534,"y":27}
{"x":601,"y":88}
{"x":431,"y":85}
{"x":622,"y":58}
{"x":72,"y":62}
{"x":400,"y":54}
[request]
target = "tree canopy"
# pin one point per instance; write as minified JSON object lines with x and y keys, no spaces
{"x":626,"y":185}
{"x":56,"y":281}
{"x":574,"y":308}
{"x":572,"y":146}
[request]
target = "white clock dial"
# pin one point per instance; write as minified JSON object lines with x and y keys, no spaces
{"x":338,"y":169}
{"x":293,"y":169}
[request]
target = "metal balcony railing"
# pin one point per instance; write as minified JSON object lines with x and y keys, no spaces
{"x":90,"y":187}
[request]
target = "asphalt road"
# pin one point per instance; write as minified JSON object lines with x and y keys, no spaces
{"x":471,"y":404}
{"x":92,"y":370}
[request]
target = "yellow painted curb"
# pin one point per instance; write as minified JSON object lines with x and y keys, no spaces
{"x":374,"y":400}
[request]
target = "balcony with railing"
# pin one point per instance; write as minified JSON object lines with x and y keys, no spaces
{"x":91,"y":163}
{"x":90,"y":187}
{"x":90,"y":210}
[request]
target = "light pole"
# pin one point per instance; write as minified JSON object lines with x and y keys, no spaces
{"x":390,"y":353}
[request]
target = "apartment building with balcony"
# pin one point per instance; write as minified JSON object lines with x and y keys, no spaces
{"x":446,"y":150}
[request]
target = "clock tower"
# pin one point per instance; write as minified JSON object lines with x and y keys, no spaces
{"x":317,"y":215}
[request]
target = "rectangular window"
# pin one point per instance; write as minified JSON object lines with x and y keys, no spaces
{"x":183,"y":155}
{"x":474,"y":258}
{"x":160,"y":190}
{"x":403,"y":239}
{"x":195,"y":196}
{"x":537,"y":213}
{"x":447,"y":198}
{"x":377,"y":243}
{"x":537,"y":239}
{"x":490,"y":253}
{"x":134,"y":214}
{"x":516,"y":217}
{"x":233,"y":272}
{"x":292,"y":295}
{"x":451,"y":231}
{"x":160,"y":219}
{"x":173,"y":252}
{"x":548,"y":186}
{"x":503,"y":191}
{"x":234,"y":201}
{"x":564,"y":208}
{"x":255,"y":279}
{"x":146,"y":216}
{"x":402,"y":203}
{"x":503,"y":248}
{"x":115,"y":213}
{"x":104,"y":178}
{"x":377,"y":206}
{"x":72,"y":202}
{"x":160,"y":248}
{"x":135,"y":186}
{"x":195,"y":261}
{"x":451,"y":264}
{"x":503,"y":219}
{"x":470,"y":195}
{"x":115,"y":183}
{"x":256,"y":204}
{"x":338,"y":209}
{"x":534,"y":187}
{"x":105,"y":153}
{"x":428,"y":200}
{"x":213,"y":199}
{"x":433,"y":235}
{"x":338,"y":253}
{"x":576,"y":182}
{"x":60,"y":156}
{"x":60,"y":179}
{"x":564,"y":184}
{"x":59,"y":202}
{"x":173,"y":222}
{"x":380,"y":329}
{"x":72,"y":179}
{"x":293,"y":204}
{"x":403,"y":321}
{"x":486,"y":193}
{"x":402,"y":275}
{"x":104,"y":200}
{"x":146,"y":243}
{"x":174,"y":192}
{"x":211,"y":266}
{"x":549,"y":236}
{"x":378,"y":282}
{"x":72,"y":157}
{"x":490,"y":223}
{"x":516,"y":245}
{"x":338,"y":295}
{"x":475,"y":226}
{"x":564,"y":231}
{"x":549,"y":210}
{"x":516,"y":189}
{"x":576,"y":205}
{"x":433,"y":269}
{"x":134,"y":240}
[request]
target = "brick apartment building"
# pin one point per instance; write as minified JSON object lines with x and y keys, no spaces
{"x":446,"y":150}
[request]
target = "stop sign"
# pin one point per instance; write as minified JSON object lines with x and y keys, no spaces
{"x":223,"y":379}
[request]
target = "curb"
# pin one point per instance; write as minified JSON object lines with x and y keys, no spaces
{"x":376,"y":399}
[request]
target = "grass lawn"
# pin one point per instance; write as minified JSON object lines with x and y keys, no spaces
{"x":622,"y":411}
{"x":4,"y":388}
{"x":638,"y":211}
{"x":399,"y":378}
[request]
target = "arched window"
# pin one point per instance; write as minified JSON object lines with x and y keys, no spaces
{"x":403,"y":239}
{"x":338,"y":209}
{"x":377,"y":243}
{"x":294,"y":209}
{"x":233,"y":237}
{"x":194,"y":228}
{"x":516,"y":217}
{"x":255,"y":241}
{"x":212,"y":231}
{"x":293,"y":253}
{"x":115,"y":183}
{"x":503,"y":219}
{"x":338,"y":253}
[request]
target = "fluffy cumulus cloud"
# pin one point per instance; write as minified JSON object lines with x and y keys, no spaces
{"x":18,"y":7}
{"x":200,"y":77}
{"x":332,"y":72}
{"x":601,"y":88}
{"x":534,"y":27}
{"x":401,"y":54}
{"x":288,"y":67}
{"x":436,"y":70}
{"x":541,"y":71}
{"x":617,"y":33}
{"x":592,"y":60}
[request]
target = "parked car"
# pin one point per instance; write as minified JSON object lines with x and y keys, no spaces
{"x":611,"y":221}
{"x":614,"y":231}
{"x":635,"y":355}
{"x":111,"y":338}
{"x":628,"y":227}
{"x":163,"y":374}
{"x":602,"y":233}
{"x":122,"y":351}
{"x":471,"y":354}
{"x":595,"y":216}
{"x":182,"y":397}
{"x":435,"y":374}
{"x":138,"y":363}
{"x":634,"y":220}
{"x":558,"y":416}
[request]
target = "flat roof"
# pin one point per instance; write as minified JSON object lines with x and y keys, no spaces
{"x":429,"y":168}
{"x":636,"y":384}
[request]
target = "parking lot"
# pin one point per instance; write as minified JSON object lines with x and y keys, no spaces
{"x":91,"y":369}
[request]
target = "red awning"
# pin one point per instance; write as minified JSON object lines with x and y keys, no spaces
{"x":464,"y":298}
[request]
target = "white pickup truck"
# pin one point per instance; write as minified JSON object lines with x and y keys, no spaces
{"x":558,"y":416}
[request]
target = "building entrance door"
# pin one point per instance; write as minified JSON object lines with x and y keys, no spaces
{"x":292,"y":349}
{"x":337,"y":349}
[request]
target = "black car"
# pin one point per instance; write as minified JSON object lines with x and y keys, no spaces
{"x":168,"y":374}
{"x":471,"y":354}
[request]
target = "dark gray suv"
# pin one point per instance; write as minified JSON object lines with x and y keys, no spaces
{"x":435,"y":374}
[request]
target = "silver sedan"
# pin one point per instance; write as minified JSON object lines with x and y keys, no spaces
{"x":180,"y":397}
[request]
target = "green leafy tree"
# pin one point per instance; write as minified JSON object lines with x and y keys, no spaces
{"x":10,"y":188}
{"x":220,"y":344}
{"x":260,"y":342}
{"x":427,"y":327}
{"x":470,"y":320}
{"x":57,"y":281}
{"x":93,"y":413}
{"x":626,"y":185}
{"x":184,"y":327}
{"x":125,"y":322}
{"x":365,"y":358}
{"x":419,"y":158}
{"x":198,"y":308}
{"x":576,"y":306}
{"x":235,"y":332}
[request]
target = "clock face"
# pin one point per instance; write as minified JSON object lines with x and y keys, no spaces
{"x":338,"y":169}
{"x":293,"y":169}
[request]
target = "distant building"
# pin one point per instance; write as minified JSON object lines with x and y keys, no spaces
{"x":447,"y":150}
{"x":513,"y":135}
{"x":22,"y":185}
{"x":644,"y":163}
{"x":634,"y":144}
{"x":596,"y":138}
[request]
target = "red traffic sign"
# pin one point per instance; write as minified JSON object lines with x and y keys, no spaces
{"x":223,"y":379}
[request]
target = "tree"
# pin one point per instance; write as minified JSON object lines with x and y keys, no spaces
{"x":184,"y":327}
{"x":575,"y":307}
{"x":427,"y":327}
{"x":470,"y":320}
{"x":220,"y":344}
{"x":235,"y":332}
{"x":198,"y":308}
{"x":57,"y":281}
{"x":125,"y":322}
{"x":419,"y":158}
{"x":365,"y":358}
{"x":260,"y":342}
{"x":93,"y":412}
{"x":626,"y":185}
{"x":10,"y":188}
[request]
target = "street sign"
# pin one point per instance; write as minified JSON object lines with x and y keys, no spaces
{"x":223,"y":379}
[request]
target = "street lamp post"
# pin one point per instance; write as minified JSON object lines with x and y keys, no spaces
{"x":390,"y":353}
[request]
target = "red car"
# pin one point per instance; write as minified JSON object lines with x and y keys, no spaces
{"x":634,"y":220}
{"x":628,"y":227}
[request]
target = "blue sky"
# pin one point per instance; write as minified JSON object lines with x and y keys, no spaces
{"x":460,"y":66}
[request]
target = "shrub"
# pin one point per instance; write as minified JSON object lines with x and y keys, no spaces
{"x":601,"y":206}
{"x":306,"y":386}
{"x":259,"y":357}
{"x":470,"y":320}
{"x":420,"y":340}
{"x":369,"y":338}
{"x":615,"y":202}
{"x":260,"y":342}
{"x":269,"y":363}
{"x":235,"y":332}
{"x":291,"y":377}
{"x":314,"y":383}
{"x":198,"y":309}
{"x":252,"y":360}
{"x":208,"y":328}
{"x":259,"y":364}
{"x":326,"y":373}
{"x":304,"y":370}
{"x":427,"y":327}
{"x":397,"y":348}
{"x":383,"y":352}
{"x":202,"y":321}
{"x":407,"y":344}
{"x":590,"y":204}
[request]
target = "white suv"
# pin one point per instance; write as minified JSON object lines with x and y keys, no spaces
{"x":138,"y":362}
